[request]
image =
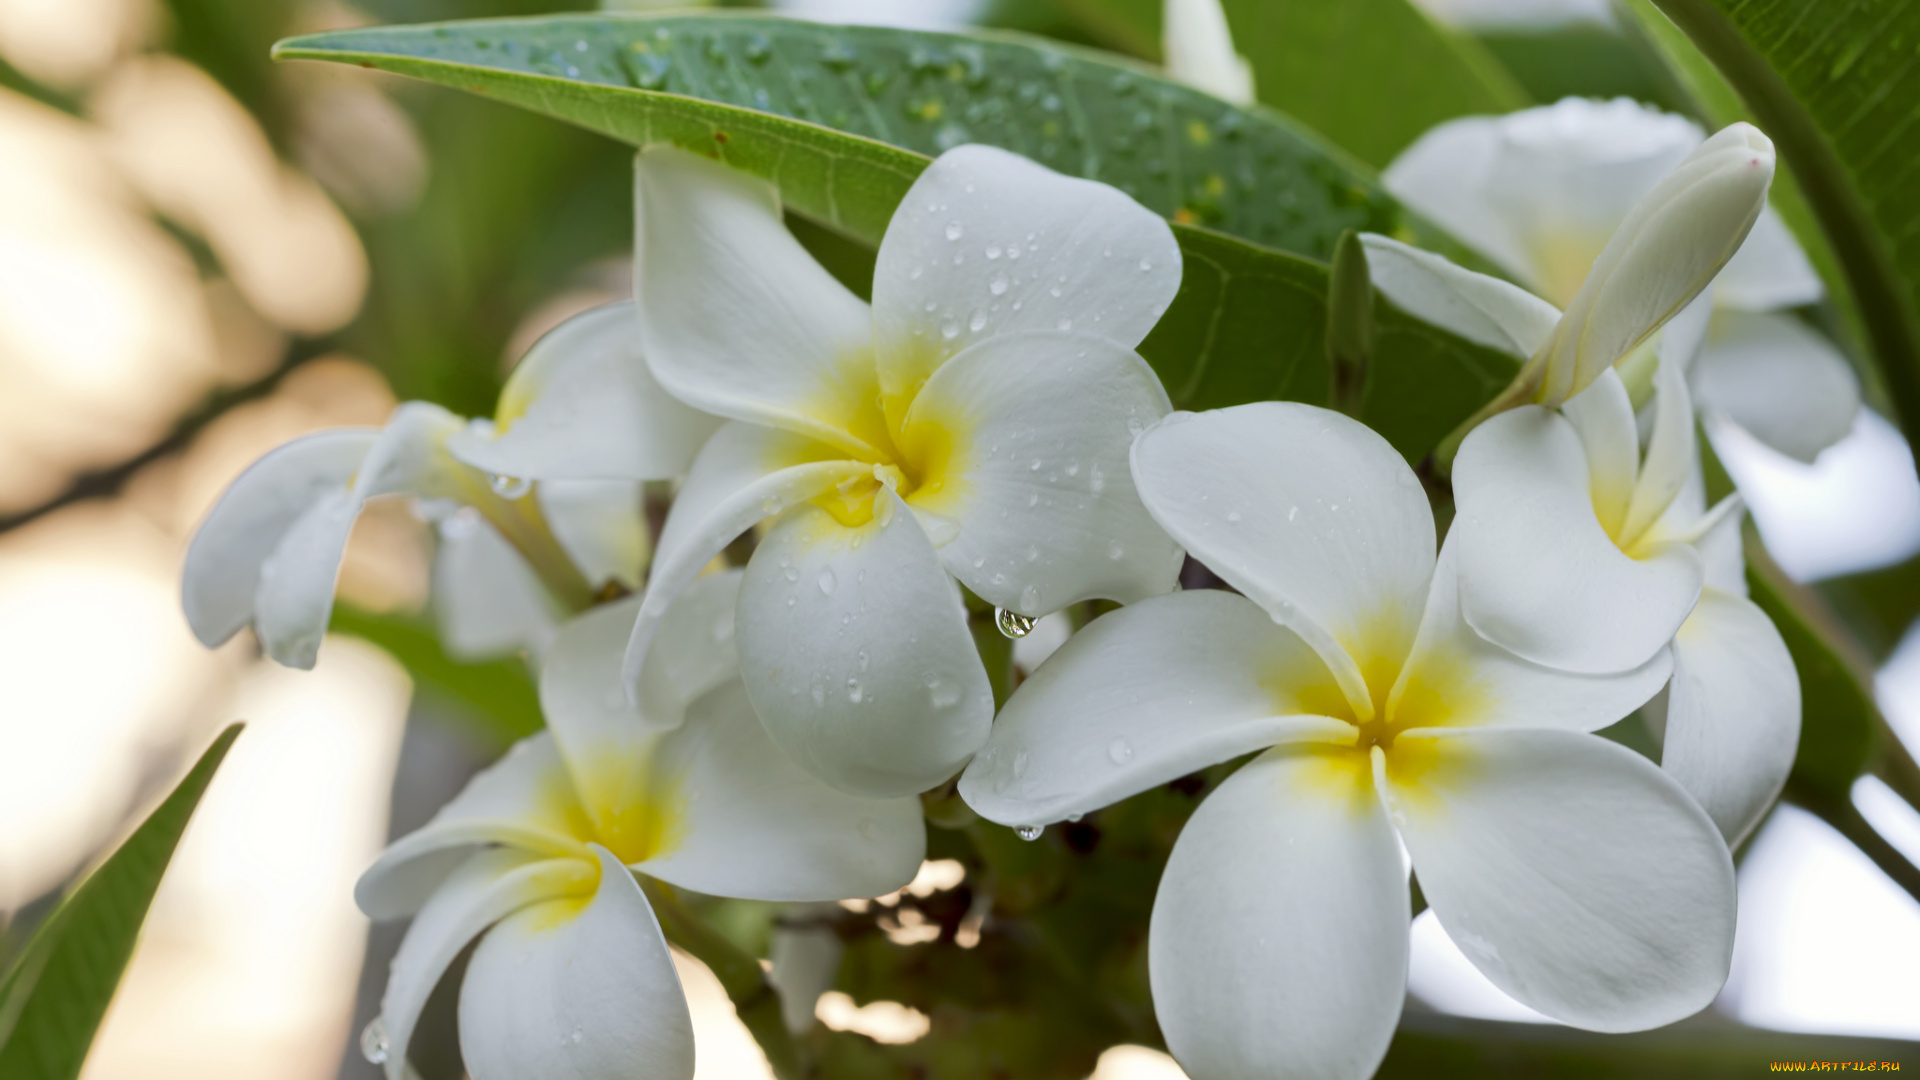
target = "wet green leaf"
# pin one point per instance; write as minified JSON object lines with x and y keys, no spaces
{"x":55,"y":994}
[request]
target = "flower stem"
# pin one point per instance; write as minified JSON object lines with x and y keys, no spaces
{"x":754,"y":998}
{"x":1846,"y":821}
{"x":1896,"y":767}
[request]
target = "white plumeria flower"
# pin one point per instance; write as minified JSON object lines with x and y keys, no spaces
{"x":516,"y":560}
{"x":1662,"y":254}
{"x":1199,"y":50}
{"x":1540,"y":191}
{"x":971,"y":424}
{"x":1574,"y":873}
{"x":1578,"y":552}
{"x":571,"y":979}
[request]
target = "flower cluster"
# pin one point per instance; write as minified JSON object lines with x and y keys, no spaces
{"x":983,"y":431}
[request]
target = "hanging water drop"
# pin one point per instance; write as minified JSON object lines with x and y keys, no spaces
{"x":1011,"y":623}
{"x":373,"y":1041}
{"x":1028,"y":832}
{"x":510,"y":487}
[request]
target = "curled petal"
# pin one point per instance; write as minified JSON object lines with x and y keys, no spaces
{"x":1482,"y":309}
{"x":1786,"y":384}
{"x":736,"y":319}
{"x":1145,"y":695}
{"x":1573,"y":872}
{"x":252,"y":517}
{"x":1733,"y":712}
{"x":1538,"y":573}
{"x":1279,"y":934}
{"x":577,"y":988}
{"x":989,"y":243}
{"x":582,"y":405}
{"x":756,"y":826}
{"x":1042,"y":495}
{"x":1310,"y":514}
{"x":855,"y":649}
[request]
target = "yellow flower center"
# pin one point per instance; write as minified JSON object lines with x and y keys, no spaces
{"x":916,"y":459}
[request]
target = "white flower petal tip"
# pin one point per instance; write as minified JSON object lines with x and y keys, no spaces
{"x":577,"y":988}
{"x":1539,"y":573}
{"x":1785,"y":384}
{"x":1664,"y":253}
{"x":856,"y":652}
{"x":1482,"y":309}
{"x":582,"y":405}
{"x":239,"y":536}
{"x":1733,"y":712}
{"x":1579,"y":877}
{"x":1279,"y":933}
{"x":1199,"y":50}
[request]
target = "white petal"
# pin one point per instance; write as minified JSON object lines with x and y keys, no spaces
{"x":736,"y":319}
{"x":486,"y":599}
{"x":582,"y":405}
{"x":522,"y":800}
{"x":1722,"y":552}
{"x":854,"y":646}
{"x":1482,"y":309}
{"x":561,"y":991}
{"x":1671,"y":454}
{"x":1664,"y":253}
{"x":1773,"y":375}
{"x":1603,"y":416}
{"x":1043,"y":496}
{"x":1145,"y":695}
{"x":743,"y":474}
{"x":755,"y":825}
{"x":601,"y":525}
{"x":1572,"y":872}
{"x":989,"y":243}
{"x":223,"y":564}
{"x":1769,"y":271}
{"x":1733,"y":712}
{"x":1538,"y":574}
{"x":486,"y":887}
{"x":1309,"y":513}
{"x":1279,"y":934}
{"x":1199,"y":50}
{"x":804,"y":954}
{"x":1444,"y":177}
{"x":1456,"y":678}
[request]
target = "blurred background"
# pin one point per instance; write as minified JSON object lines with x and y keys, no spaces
{"x":203,"y":255}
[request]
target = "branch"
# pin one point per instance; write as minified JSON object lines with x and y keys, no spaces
{"x":1848,"y":823}
{"x":107,"y":482}
{"x":1896,"y":766}
{"x":754,"y":998}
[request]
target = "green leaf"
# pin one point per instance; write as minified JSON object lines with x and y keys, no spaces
{"x":843,"y":119}
{"x":1838,"y":716}
{"x":1837,"y":86}
{"x":1372,"y":75}
{"x":53,"y":997}
{"x":499,"y":696}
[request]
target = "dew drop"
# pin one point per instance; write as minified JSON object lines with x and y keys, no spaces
{"x":1012,"y":623}
{"x":998,"y":286}
{"x":819,"y":695}
{"x":1030,"y":597}
{"x":1120,"y":751}
{"x":1028,"y":832}
{"x":827,"y":582}
{"x":1019,"y":764}
{"x":509,"y":487}
{"x":854,"y":693}
{"x":792,"y":573}
{"x":1064,"y":324}
{"x":1116,"y":550}
{"x":1233,"y":517}
{"x":373,"y":1041}
{"x":954,"y":231}
{"x":978,"y":321}
{"x":993,"y":252}
{"x":950,"y":328}
{"x":1146,"y":264}
{"x":943,"y":693}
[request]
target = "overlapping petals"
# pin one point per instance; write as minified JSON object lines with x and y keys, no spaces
{"x":1279,"y":930}
{"x":904,"y":446}
{"x":536,"y":858}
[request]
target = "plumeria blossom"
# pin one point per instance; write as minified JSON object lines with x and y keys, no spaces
{"x":1578,"y":551}
{"x":972,"y":424}
{"x":1663,"y":253}
{"x":1540,"y":191}
{"x":1199,"y":48}
{"x":537,"y":858}
{"x":1574,"y":873}
{"x":516,"y":556}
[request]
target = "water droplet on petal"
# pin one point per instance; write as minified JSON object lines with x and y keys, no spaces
{"x":827,"y":583}
{"x":1146,"y":264}
{"x":1030,"y":597}
{"x":954,"y":231}
{"x":979,"y":320}
{"x":1012,"y":623}
{"x":792,"y":573}
{"x":1120,"y":751}
{"x":1028,"y":832}
{"x":510,"y":487}
{"x":998,"y":286}
{"x":1116,"y":550}
{"x":950,"y":328}
{"x":854,"y":693}
{"x":373,"y":1041}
